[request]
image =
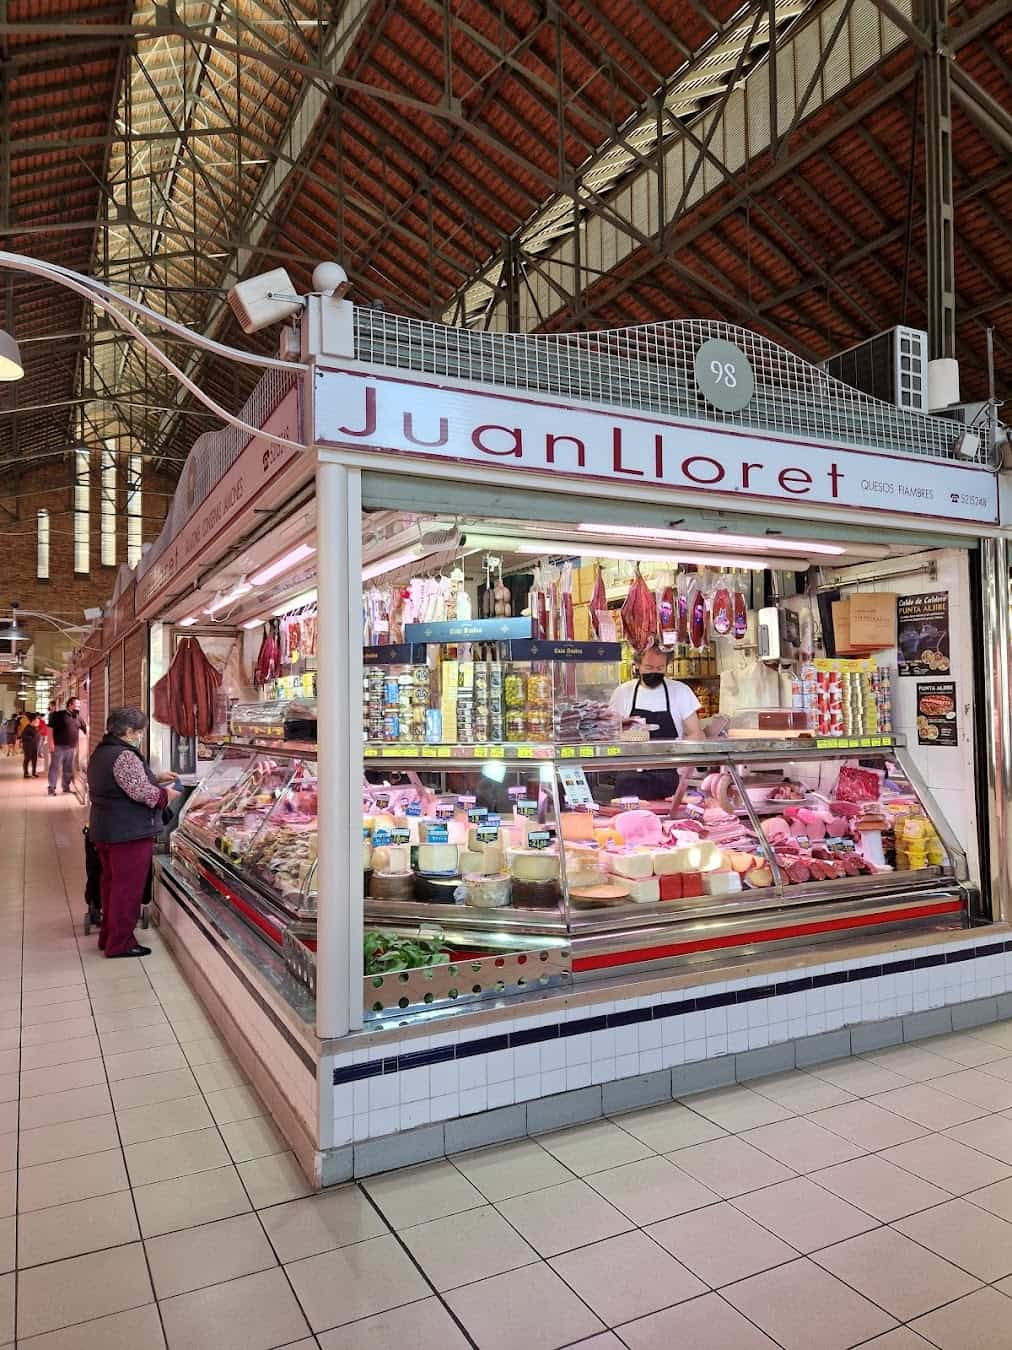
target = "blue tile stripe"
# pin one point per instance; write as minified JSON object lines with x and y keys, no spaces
{"x":487,"y":1045}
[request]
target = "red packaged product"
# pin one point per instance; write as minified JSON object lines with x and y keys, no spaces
{"x":858,"y":785}
{"x":671,"y":886}
{"x":692,"y":884}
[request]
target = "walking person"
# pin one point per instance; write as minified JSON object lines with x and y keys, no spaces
{"x":12,"y":735}
{"x":66,"y":726}
{"x":127,"y":801}
{"x":30,"y":746}
{"x":45,"y":740}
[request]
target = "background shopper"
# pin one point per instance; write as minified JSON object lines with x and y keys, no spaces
{"x":66,"y":727}
{"x":127,"y":801}
{"x":30,"y":746}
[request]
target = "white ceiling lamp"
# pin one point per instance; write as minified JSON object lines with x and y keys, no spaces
{"x":301,"y":553}
{"x":187,"y":622}
{"x":223,"y":601}
{"x":254,"y":623}
{"x":712,"y":540}
{"x":11,"y":365}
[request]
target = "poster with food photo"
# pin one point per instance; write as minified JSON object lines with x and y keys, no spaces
{"x":922,"y":634}
{"x":936,"y":713}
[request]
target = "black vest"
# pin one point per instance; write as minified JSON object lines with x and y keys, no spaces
{"x":115,"y":817}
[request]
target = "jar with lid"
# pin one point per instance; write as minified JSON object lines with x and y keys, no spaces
{"x":539,"y":691}
{"x":539,"y":724}
{"x":513,"y":690}
{"x":516,"y":724}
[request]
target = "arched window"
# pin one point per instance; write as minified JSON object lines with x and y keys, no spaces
{"x":42,"y":546}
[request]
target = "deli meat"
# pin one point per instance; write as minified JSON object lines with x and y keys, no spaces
{"x":798,"y":872}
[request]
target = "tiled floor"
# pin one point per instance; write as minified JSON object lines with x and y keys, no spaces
{"x":146,"y":1202}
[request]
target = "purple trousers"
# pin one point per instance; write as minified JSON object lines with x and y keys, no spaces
{"x":125,"y":869}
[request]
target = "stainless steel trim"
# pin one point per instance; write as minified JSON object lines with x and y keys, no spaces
{"x":995,"y":716}
{"x":633,"y":754}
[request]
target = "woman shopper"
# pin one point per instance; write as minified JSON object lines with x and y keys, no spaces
{"x":127,"y":801}
{"x":30,"y":746}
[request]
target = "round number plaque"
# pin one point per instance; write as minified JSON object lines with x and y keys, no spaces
{"x":724,"y":375}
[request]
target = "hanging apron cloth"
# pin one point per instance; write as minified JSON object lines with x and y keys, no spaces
{"x":651,"y":785}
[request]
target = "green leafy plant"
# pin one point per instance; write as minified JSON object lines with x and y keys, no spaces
{"x":386,"y":952}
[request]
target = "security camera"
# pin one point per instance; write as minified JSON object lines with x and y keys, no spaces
{"x":967,"y":444}
{"x":263,"y":300}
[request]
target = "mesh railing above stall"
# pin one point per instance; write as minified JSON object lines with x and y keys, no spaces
{"x":650,"y":368}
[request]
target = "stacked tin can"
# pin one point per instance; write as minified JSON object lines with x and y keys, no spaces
{"x":374,"y":700}
{"x":882,"y":683}
{"x":829,"y":703}
{"x":465,"y":702}
{"x":481,"y":705}
{"x":496,"y":708}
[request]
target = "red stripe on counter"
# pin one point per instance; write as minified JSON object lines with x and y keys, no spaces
{"x":636,"y":956}
{"x":271,"y":930}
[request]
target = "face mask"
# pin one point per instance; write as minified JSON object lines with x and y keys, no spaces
{"x":654,"y":679}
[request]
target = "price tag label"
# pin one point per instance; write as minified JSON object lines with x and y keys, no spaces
{"x":381,"y":838}
{"x":413,"y":809}
{"x":613,"y":750}
{"x":525,"y":752}
{"x":586,"y":752}
{"x":437,"y":834}
{"x":527,"y":808}
{"x":389,"y":751}
{"x":429,"y":752}
{"x":476,"y":814}
{"x":876,"y":740}
{"x":487,"y":834}
{"x":539,"y":839}
{"x":370,"y":752}
{"x":568,"y":752}
{"x":496,"y":752}
{"x":400,"y":835}
{"x":825,"y":745}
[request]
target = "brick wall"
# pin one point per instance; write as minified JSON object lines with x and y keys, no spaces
{"x":65,"y":595}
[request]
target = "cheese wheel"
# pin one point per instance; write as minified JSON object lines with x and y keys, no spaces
{"x":532,"y":865}
{"x":366,"y":855}
{"x":644,"y":890}
{"x":439,"y":859}
{"x":602,"y":893}
{"x":489,"y":892}
{"x":632,"y":864}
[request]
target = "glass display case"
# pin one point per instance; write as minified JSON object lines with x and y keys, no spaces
{"x":534,"y":838}
{"x":253,"y":821}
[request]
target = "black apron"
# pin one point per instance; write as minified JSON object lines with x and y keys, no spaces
{"x":651,"y":785}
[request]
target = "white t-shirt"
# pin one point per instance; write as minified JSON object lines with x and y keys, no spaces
{"x":683,"y":701}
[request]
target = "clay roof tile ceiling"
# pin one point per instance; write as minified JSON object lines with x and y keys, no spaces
{"x":480,"y":163}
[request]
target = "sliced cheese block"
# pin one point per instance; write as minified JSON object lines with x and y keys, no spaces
{"x":366,"y":855}
{"x":400,"y":858}
{"x":577,"y":825}
{"x":439,"y":859}
{"x":722,"y":882}
{"x":671,"y":886}
{"x":381,"y":858}
{"x":632,"y":864}
{"x":644,"y":890}
{"x":532,"y":865}
{"x":688,"y":858}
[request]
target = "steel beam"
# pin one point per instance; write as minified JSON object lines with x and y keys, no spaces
{"x":941,"y":244}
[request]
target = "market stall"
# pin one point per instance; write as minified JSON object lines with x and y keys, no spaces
{"x":450,"y":792}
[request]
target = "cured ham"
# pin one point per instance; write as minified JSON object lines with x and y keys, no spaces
{"x":184,"y":698}
{"x":639,"y":613}
{"x":598,"y":601}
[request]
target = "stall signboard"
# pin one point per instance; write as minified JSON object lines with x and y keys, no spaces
{"x":259,"y":463}
{"x":394,"y":654}
{"x":359,"y":410}
{"x":539,"y":649}
{"x":936,"y":713}
{"x":922,"y":641}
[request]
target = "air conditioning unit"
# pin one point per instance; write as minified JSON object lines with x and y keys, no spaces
{"x":892,"y":366}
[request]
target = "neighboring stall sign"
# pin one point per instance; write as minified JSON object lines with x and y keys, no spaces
{"x":936,"y":713}
{"x":539,"y":649}
{"x":259,"y":463}
{"x":922,"y":638}
{"x":360,"y":411}
{"x":394,"y":654}
{"x":468,"y":630}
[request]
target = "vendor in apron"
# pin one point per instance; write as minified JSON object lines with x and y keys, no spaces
{"x":668,"y":707}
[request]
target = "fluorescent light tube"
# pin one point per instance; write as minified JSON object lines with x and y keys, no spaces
{"x":283,"y":564}
{"x":714,"y":540}
{"x":224,"y":601}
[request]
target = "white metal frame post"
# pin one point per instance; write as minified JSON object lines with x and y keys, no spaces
{"x":339,"y":709}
